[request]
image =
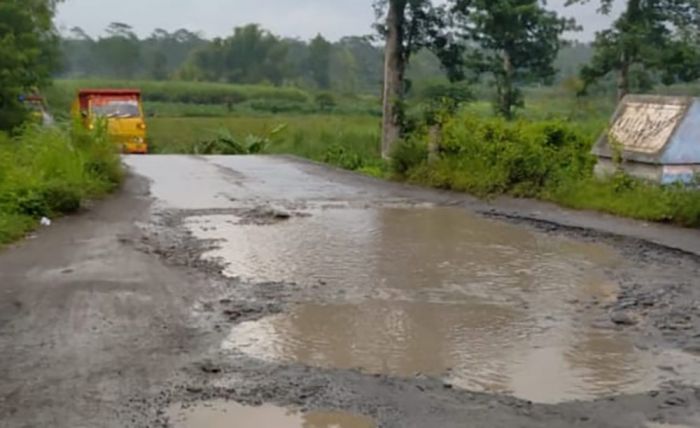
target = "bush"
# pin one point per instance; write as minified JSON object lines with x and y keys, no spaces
{"x":459,"y":92}
{"x":486,"y":156}
{"x":408,"y":155}
{"x":49,"y":172}
{"x":13,"y":226}
{"x":549,"y":160}
{"x":224,"y":143}
{"x":325,"y":101}
{"x":61,"y":198}
{"x":344,"y":158}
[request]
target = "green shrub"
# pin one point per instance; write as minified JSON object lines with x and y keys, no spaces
{"x":61,"y":198}
{"x":49,"y":172}
{"x":486,"y":156}
{"x":101,"y":161}
{"x":549,"y":160}
{"x":343,"y":157}
{"x":459,"y":92}
{"x":28,"y":202}
{"x":407,"y":155}
{"x":14,"y":226}
{"x":224,"y":143}
{"x":325,"y":101}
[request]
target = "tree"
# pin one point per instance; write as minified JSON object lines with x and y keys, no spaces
{"x":367,"y":58}
{"x":395,"y":58}
{"x":408,"y":26}
{"x":118,"y":54}
{"x":654,"y":38}
{"x":319,"y":61}
{"x":571,"y":59}
{"x":296,"y":60}
{"x":344,"y":70}
{"x":158,"y":65}
{"x":165,"y":52}
{"x":76,"y":50}
{"x":250,"y":55}
{"x":28,"y":54}
{"x":516,"y":41}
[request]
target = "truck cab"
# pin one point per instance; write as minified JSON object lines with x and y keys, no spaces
{"x":122,"y":110}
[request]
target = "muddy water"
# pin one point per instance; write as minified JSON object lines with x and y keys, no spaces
{"x":485,"y":305}
{"x":439,"y":254}
{"x":221,"y":414}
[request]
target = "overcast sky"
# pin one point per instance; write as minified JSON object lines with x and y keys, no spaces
{"x":293,"y":18}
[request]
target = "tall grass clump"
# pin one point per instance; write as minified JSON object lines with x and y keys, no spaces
{"x":625,"y":196}
{"x":548,"y":160}
{"x":48,"y":172}
{"x":491,"y":156}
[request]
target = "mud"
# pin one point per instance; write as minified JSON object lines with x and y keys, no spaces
{"x":280,"y":284}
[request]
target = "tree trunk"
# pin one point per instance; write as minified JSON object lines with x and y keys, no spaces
{"x":623,"y":80}
{"x":393,"y":76}
{"x":507,"y":97}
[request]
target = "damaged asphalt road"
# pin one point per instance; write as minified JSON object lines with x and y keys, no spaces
{"x":272,"y":281}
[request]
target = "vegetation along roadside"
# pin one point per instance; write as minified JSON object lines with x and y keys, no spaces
{"x":49,"y":172}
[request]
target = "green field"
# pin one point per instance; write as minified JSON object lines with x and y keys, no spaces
{"x":203,"y":99}
{"x":344,"y":140}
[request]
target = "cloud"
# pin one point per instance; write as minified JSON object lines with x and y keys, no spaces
{"x":292,"y":18}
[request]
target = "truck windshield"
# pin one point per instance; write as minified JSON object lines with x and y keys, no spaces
{"x":116,"y":109}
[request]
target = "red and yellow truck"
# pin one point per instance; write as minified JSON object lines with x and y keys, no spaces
{"x":122,"y":109}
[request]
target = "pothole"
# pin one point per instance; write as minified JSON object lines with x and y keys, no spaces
{"x":484,"y":305}
{"x":223,"y":414}
{"x":478,"y":347}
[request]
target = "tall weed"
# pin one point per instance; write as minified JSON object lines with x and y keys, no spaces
{"x":548,"y":160}
{"x":49,"y":172}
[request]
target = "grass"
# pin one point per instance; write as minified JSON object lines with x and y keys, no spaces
{"x":14,"y":227}
{"x":548,"y":160}
{"x":49,"y":172}
{"x":626,"y":197}
{"x":349,"y":141}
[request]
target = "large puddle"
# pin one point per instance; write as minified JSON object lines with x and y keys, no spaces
{"x":222,"y":414}
{"x":485,"y":305}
